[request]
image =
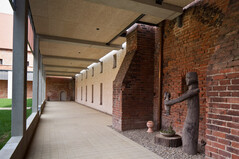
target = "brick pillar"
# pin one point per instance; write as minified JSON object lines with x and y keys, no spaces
{"x":223,"y":90}
{"x":133,"y":88}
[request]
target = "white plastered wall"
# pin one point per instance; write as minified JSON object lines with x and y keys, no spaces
{"x":106,"y":78}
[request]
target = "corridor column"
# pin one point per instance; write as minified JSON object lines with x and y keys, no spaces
{"x":40,"y":80}
{"x":44,"y":94}
{"x":19,"y":68}
{"x":35,"y":75}
{"x":43,"y":85}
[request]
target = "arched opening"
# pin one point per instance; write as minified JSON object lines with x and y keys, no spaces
{"x":63,"y":96}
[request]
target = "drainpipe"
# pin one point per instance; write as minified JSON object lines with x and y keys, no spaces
{"x":162,"y":27}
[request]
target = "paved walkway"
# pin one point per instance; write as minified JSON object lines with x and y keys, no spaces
{"x":68,"y":130}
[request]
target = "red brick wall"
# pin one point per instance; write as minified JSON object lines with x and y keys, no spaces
{"x":133,"y":86}
{"x":223,"y":90}
{"x":29,"y":89}
{"x":54,"y":86}
{"x":186,"y":49}
{"x":3,"y":88}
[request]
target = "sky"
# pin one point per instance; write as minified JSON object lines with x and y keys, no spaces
{"x":5,"y":7}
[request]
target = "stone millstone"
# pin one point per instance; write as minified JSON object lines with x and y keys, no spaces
{"x":174,"y":141}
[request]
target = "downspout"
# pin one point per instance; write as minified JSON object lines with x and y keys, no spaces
{"x":162,"y":27}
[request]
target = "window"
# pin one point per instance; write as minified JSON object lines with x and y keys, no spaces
{"x":81,"y":93}
{"x":1,"y":61}
{"x":27,"y":63}
{"x":92,"y":96}
{"x":86,"y":74}
{"x":93,"y":70}
{"x":82,"y":77}
{"x":114,"y":60}
{"x":101,"y":93}
{"x":101,"y":67}
{"x":86,"y":93}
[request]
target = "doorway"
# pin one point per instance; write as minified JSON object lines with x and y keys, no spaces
{"x":63,"y":96}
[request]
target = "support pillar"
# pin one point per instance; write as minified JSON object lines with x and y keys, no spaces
{"x":19,"y":68}
{"x":133,"y":87}
{"x":35,"y":75}
{"x":44,"y":85}
{"x":40,"y":80}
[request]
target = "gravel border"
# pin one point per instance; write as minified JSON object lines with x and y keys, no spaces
{"x":145,"y":139}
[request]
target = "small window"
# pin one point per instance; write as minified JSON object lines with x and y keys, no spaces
{"x":27,"y":63}
{"x":101,"y":93}
{"x":81,"y":93}
{"x":101,"y":67}
{"x":93,"y":70}
{"x":1,"y":61}
{"x":114,"y":60}
{"x":86,"y":93}
{"x":92,"y":96}
{"x":86,"y":74}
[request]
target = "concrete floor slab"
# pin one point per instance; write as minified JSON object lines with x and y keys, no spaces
{"x":68,"y":130}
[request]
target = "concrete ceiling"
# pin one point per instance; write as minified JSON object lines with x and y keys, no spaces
{"x":82,"y":28}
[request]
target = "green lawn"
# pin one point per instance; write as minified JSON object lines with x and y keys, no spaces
{"x":5,"y":126}
{"x":6,"y":103}
{"x":5,"y":120}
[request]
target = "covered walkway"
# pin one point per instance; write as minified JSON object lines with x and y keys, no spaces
{"x":70,"y":130}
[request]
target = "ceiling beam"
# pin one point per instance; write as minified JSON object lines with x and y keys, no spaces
{"x":148,"y":7}
{"x":164,"y":5}
{"x":53,"y":71}
{"x":59,"y":75}
{"x":58,"y":66}
{"x":81,"y":42}
{"x":70,"y":58}
{"x":124,"y":30}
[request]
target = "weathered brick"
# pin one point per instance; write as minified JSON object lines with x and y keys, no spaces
{"x":220,"y":123}
{"x":232,"y":137}
{"x":211,"y":149}
{"x":212,"y":93}
{"x":235,"y":81}
{"x":225,"y":82}
{"x":233,"y":150}
{"x":212,"y":138}
{"x":233,"y":125}
{"x":218,"y":77}
{"x":219,"y":88}
{"x":235,"y":156}
{"x":223,"y":94}
{"x":235,"y":94}
{"x":216,"y":155}
{"x":235,"y":145}
{"x":218,"y":145}
{"x":225,"y":153}
{"x":219,"y":134}
{"x":224,"y":141}
{"x":218,"y":100}
{"x":233,"y":112}
{"x":235,"y":132}
{"x":233,"y":87}
{"x":233,"y":75}
{"x":232,"y":100}
{"x":213,"y":105}
{"x":235,"y":106}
